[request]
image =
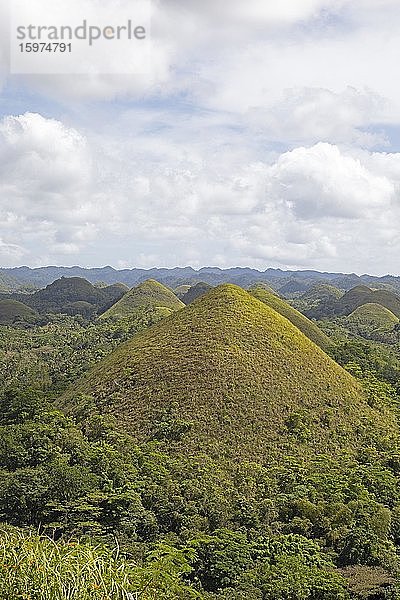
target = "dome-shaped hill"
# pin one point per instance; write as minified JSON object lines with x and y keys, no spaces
{"x":240,"y":377}
{"x":62,"y":292}
{"x":149,"y":295}
{"x":310,"y":329}
{"x":364,"y":295}
{"x":116,"y":289}
{"x":352,"y":299}
{"x":375,"y":316}
{"x":10,"y":310}
{"x":322,"y":291}
{"x":388,"y":300}
{"x":196,"y":291}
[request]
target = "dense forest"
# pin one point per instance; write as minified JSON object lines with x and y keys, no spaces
{"x":215,"y":443}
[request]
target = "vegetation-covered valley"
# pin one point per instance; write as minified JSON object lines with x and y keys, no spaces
{"x":227,"y":447}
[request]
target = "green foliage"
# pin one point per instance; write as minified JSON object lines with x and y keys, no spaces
{"x":289,"y":578}
{"x":37,"y":568}
{"x":218,"y":455}
{"x":52,"y":355}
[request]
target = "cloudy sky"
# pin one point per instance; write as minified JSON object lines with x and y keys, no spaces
{"x":265,"y":134}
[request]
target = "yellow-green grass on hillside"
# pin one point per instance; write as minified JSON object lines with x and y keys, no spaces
{"x":13,"y":309}
{"x":375,"y":316}
{"x":309,"y":328}
{"x":364,"y":295}
{"x":244,"y":381}
{"x":150,"y":295}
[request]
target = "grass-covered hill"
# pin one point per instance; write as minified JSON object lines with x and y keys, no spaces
{"x":354,"y":298}
{"x":375,"y":316}
{"x":310,"y":329}
{"x":388,"y":300}
{"x":364,"y":295}
{"x":292,"y":288}
{"x":115,"y":291}
{"x":231,"y":377}
{"x":10,"y":310}
{"x":321,"y":291}
{"x":71,"y":295}
{"x":196,"y":291}
{"x":149,"y":295}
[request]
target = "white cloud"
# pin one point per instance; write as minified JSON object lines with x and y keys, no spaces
{"x":239,"y":56}
{"x":218,"y":158}
{"x":309,"y":115}
{"x":45,"y":178}
{"x":321,"y":182}
{"x":71,"y":198}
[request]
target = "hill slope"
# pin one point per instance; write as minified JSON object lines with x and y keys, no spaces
{"x":196,"y":291}
{"x":322,"y":291}
{"x":375,"y":316}
{"x":239,"y":378}
{"x":12,"y":309}
{"x":387,"y":299}
{"x":355,"y":297}
{"x":310,"y":329}
{"x":150,"y":295}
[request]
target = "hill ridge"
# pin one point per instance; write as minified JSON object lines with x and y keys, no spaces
{"x":305,"y":325}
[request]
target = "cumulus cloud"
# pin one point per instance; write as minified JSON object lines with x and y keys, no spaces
{"x":312,"y":206}
{"x":321,"y":182}
{"x":309,"y":115}
{"x":212,"y":51}
{"x":71,"y":198}
{"x":45,"y":174}
{"x":255,"y":138}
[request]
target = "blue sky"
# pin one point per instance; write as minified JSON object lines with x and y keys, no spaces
{"x":265,"y":136}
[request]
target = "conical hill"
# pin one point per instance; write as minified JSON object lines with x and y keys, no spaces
{"x":149,"y":295}
{"x":231,"y":377}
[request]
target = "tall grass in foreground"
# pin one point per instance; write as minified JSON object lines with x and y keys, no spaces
{"x":37,"y":568}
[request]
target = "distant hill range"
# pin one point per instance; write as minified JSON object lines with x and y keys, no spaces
{"x":288,"y":283}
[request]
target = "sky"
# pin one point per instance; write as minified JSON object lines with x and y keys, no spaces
{"x":263,"y":134}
